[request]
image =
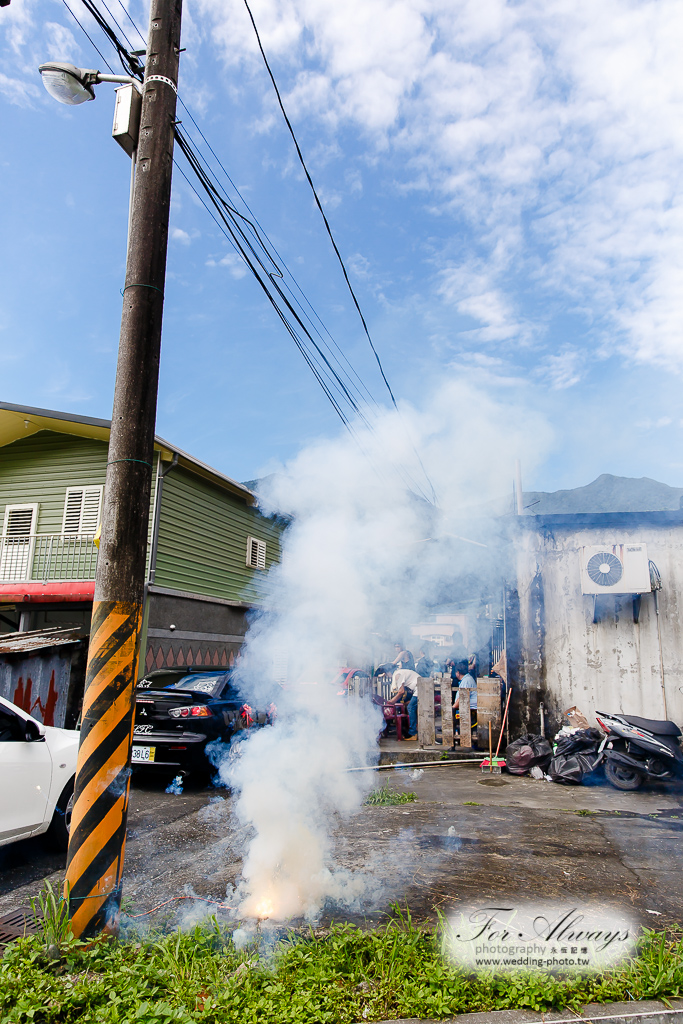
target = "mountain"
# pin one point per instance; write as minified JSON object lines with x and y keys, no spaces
{"x":606,"y":494}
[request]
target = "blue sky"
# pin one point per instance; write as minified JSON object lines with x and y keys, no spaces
{"x":503,"y":180}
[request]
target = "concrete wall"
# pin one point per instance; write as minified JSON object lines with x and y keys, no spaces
{"x":610,"y":665}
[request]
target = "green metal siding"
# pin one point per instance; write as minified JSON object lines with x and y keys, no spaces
{"x":203,"y":540}
{"x":203,"y":528}
{"x":38,"y":469}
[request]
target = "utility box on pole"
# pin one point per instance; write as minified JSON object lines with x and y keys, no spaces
{"x":98,"y":825}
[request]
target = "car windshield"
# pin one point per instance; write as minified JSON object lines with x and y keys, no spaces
{"x":203,"y":683}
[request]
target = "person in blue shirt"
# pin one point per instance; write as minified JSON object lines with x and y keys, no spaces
{"x":466,"y":682}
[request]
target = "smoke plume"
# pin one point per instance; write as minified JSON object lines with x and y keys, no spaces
{"x":365,"y":555}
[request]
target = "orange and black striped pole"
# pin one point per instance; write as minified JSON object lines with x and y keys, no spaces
{"x":98,"y":824}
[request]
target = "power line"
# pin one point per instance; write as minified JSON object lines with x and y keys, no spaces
{"x":247,"y":239}
{"x":229,"y":222}
{"x":130,"y":19}
{"x":86,"y":34}
{"x":279,"y":256}
{"x":329,"y":232}
{"x":130,"y":62}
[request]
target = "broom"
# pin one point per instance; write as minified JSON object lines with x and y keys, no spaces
{"x":495,"y":764}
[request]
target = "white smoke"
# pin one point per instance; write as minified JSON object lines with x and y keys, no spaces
{"x":363,"y":558}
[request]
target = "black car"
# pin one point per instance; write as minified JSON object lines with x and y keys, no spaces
{"x":177,"y":714}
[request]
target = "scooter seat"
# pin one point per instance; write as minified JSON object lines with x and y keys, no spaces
{"x":658,"y":728}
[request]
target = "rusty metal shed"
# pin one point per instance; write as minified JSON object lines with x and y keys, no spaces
{"x":43,"y":672}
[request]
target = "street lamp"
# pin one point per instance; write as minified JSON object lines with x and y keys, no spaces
{"x":72,"y":86}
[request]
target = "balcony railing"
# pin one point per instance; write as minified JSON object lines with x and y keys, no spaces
{"x":47,"y":556}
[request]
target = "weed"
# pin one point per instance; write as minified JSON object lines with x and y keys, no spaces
{"x":471,"y":803}
{"x":585,"y":813}
{"x":385,"y":796}
{"x":51,"y":912}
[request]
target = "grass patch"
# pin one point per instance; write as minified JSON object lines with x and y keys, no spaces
{"x":584,"y":813}
{"x":343,"y":976}
{"x":385,"y":796}
{"x":471,"y":803}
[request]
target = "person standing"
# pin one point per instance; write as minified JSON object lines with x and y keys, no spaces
{"x":466,"y":683}
{"x":424,"y":666}
{"x":404,"y":658}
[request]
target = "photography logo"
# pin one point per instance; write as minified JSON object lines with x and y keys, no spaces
{"x":539,"y":937}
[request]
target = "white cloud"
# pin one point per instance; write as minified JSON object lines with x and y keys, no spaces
{"x":553,"y":129}
{"x":562,"y":370}
{"x":178,"y":235}
{"x":18,"y":91}
{"x":650,"y":424}
{"x":233,"y":262}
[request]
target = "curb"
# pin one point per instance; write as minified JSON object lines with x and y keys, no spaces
{"x":649,"y":1011}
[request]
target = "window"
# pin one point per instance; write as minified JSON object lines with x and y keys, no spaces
{"x":256,"y":553}
{"x":17,"y":541}
{"x":82,"y":509}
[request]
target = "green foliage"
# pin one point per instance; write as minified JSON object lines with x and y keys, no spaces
{"x":51,"y":910}
{"x":384,"y":796}
{"x":398,"y":970}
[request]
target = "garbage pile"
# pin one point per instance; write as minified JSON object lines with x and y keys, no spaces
{"x":574,"y":755}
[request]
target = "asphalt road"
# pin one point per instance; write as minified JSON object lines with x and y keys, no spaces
{"x":510,"y":838}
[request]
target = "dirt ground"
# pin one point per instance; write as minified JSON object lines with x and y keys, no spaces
{"x":469,"y":838}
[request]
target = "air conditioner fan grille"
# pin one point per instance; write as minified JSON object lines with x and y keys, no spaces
{"x":605,"y":569}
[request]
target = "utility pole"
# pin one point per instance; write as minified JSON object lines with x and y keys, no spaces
{"x":98,"y":824}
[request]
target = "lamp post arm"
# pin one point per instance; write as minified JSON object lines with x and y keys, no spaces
{"x":119,"y":79}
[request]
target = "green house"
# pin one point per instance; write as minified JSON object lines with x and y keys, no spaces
{"x":209,"y":546}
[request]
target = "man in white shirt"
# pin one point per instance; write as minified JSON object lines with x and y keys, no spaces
{"x":404,"y":686}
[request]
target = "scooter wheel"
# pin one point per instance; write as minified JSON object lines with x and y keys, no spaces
{"x":622,"y":778}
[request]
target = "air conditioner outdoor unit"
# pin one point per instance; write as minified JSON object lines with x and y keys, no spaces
{"x":615,"y":569}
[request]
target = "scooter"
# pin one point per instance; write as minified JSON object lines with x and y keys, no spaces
{"x":635,"y":749}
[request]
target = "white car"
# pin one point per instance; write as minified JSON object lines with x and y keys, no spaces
{"x":37,"y":771}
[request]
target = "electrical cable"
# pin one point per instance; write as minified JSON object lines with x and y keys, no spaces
{"x":119,"y":27}
{"x":242,"y":243}
{"x":130,"y":62}
{"x":263,"y":235}
{"x":130,"y":19}
{"x":251,"y":247}
{"x":281,"y":259}
{"x":223,"y":207}
{"x":331,"y":236}
{"x":86,"y":34}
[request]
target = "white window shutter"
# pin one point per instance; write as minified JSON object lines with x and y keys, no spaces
{"x":72,"y":510}
{"x":256,"y":553}
{"x":82,"y":509}
{"x":16,"y":550}
{"x":20,"y":520}
{"x":90,"y":516}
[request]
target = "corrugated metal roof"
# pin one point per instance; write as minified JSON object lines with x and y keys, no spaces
{"x":34,"y":640}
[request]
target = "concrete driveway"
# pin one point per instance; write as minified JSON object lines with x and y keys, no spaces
{"x":510,"y":838}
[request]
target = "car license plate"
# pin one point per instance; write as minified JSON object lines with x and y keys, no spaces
{"x":143,"y":755}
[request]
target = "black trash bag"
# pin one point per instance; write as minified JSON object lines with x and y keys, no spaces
{"x":570,"y":769}
{"x":585,"y":741}
{"x":526,"y":752}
